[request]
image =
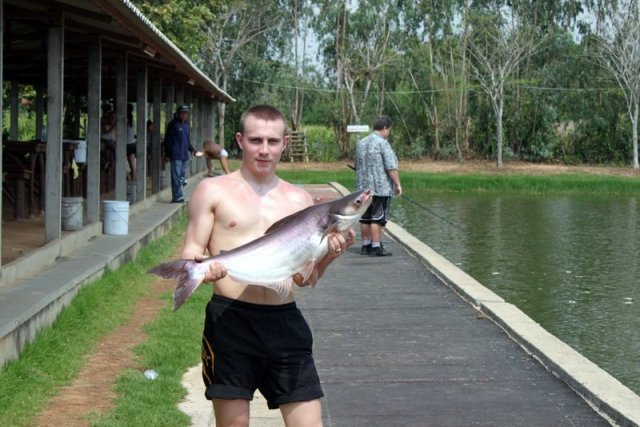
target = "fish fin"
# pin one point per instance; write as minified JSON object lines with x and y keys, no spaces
{"x":187,"y":274}
{"x":290,"y":219}
{"x":184,"y":289}
{"x":306,"y":270}
{"x":282,"y":288}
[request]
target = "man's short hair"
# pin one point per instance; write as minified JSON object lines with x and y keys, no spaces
{"x":263,"y":112}
{"x":382,"y":122}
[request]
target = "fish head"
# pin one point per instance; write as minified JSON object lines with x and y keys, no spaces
{"x":346,"y":212}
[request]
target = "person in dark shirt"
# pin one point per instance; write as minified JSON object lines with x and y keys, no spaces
{"x":177,"y":142}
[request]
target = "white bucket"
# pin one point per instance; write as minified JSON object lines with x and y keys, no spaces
{"x":132,"y":194}
{"x":71,"y":213}
{"x":80,"y":153}
{"x":115,"y":217}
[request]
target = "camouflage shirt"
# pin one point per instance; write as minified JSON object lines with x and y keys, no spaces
{"x":374,"y":157}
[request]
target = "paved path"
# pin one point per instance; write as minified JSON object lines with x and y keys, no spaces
{"x":395,"y":347}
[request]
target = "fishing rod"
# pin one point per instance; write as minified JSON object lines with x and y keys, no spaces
{"x":409,"y":199}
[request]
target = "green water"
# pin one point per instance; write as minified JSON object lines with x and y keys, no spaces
{"x":572,"y":263}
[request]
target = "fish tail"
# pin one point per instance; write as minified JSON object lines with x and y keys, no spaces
{"x":187,"y":273}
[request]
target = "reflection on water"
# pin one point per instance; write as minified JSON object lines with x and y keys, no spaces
{"x":572,"y":263}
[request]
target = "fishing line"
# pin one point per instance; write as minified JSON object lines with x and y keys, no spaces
{"x":409,"y":199}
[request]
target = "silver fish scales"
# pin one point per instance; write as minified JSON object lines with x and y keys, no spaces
{"x":292,"y":245}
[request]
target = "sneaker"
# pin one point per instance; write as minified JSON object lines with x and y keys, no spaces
{"x":366,"y":249}
{"x":379,"y":251}
{"x":184,"y":183}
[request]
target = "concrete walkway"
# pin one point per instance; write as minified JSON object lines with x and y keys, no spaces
{"x":395,"y":347}
{"x":407,"y":340}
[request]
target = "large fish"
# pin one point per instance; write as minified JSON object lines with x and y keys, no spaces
{"x":292,"y":245}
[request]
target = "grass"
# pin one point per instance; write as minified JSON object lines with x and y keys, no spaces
{"x":173,"y":346}
{"x":57,"y":355}
{"x":559,"y":183}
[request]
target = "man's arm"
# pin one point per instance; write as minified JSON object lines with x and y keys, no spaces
{"x":200,"y":224}
{"x":199,"y":229}
{"x":395,"y":177}
{"x":224,"y":163}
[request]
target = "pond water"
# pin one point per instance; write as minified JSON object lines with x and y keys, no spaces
{"x":570,"y":262}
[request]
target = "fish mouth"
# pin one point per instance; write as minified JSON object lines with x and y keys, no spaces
{"x":366,"y":196}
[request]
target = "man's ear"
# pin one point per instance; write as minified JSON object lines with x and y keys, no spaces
{"x":239,"y":140}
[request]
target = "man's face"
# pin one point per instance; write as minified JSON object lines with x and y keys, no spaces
{"x":184,"y":115}
{"x":262,"y":144}
{"x":385,"y":133}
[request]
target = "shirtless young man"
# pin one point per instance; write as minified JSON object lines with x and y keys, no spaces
{"x":259,"y":341}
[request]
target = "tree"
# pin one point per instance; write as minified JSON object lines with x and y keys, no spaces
{"x":182,"y":21}
{"x":357,"y":42}
{"x":619,"y":53}
{"x":300,"y":15}
{"x":497,"y":46}
{"x":237,"y":27}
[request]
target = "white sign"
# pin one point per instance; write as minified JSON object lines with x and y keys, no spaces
{"x":357,"y":128}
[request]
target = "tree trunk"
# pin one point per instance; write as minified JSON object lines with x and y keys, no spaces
{"x":499,"y":110}
{"x":432,"y":100}
{"x":634,"y":126}
{"x":221,"y":115}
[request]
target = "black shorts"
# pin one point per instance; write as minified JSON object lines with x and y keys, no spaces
{"x":250,"y":346}
{"x":131,"y":149}
{"x":378,"y":211}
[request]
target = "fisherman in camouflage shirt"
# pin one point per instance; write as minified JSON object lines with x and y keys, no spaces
{"x":377,"y":170}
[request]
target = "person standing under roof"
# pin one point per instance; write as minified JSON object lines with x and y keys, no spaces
{"x":177,"y":143}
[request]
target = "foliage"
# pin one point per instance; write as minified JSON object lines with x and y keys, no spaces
{"x":182,"y":21}
{"x":321,"y":142}
{"x":413,"y":61}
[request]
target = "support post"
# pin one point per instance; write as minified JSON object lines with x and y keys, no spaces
{"x":169,"y":102}
{"x":1,"y":108}
{"x":121,"y":128}
{"x":179,"y":94}
{"x":14,"y":91}
{"x":94,"y":94}
{"x":39,"y":112}
{"x":55,"y":90}
{"x":141,"y":132}
{"x":156,"y":151}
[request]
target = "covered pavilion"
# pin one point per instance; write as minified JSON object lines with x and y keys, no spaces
{"x":73,"y":57}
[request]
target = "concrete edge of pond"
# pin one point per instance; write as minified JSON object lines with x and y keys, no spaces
{"x":603,"y":392}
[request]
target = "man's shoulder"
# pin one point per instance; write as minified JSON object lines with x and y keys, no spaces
{"x":294,"y":193}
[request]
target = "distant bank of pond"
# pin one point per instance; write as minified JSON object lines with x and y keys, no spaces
{"x":570,"y":262}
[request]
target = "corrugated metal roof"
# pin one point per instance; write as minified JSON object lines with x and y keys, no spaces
{"x":129,"y":13}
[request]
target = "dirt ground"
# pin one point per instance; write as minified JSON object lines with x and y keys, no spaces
{"x":92,"y":390}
